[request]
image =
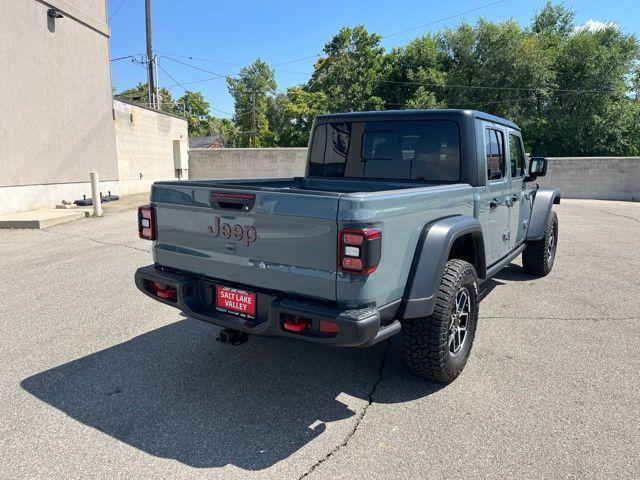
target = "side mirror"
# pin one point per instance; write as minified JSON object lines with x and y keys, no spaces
{"x":537,"y":168}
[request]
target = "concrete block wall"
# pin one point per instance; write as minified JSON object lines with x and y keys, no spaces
{"x":145,"y":146}
{"x":606,"y":178}
{"x":600,"y":178}
{"x":226,"y":163}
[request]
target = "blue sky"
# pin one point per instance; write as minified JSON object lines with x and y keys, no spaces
{"x":221,"y":36}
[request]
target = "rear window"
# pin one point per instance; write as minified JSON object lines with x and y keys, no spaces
{"x":404,"y":150}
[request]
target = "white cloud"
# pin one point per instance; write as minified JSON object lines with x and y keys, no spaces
{"x":594,"y":26}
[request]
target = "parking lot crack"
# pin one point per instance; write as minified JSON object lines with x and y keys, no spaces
{"x":101,"y":242}
{"x":613,"y":214}
{"x":359,"y":418}
{"x":620,"y":215}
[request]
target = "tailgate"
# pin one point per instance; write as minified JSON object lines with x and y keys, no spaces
{"x":275,"y":240}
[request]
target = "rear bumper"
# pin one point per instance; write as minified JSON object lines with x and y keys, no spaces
{"x":358,"y":328}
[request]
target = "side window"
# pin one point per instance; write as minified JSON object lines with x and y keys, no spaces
{"x":378,"y":145}
{"x":316,"y":156}
{"x":408,"y":146}
{"x":335,"y":154}
{"x":516,"y":156}
{"x":494,"y":150}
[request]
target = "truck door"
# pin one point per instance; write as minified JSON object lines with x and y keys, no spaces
{"x":520,"y":198}
{"x":495,"y":200}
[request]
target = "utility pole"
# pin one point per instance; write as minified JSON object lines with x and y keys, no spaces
{"x":253,"y":120}
{"x":155,"y":76}
{"x":150,"y":59}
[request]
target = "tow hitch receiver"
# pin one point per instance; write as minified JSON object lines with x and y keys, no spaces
{"x":232,"y":337}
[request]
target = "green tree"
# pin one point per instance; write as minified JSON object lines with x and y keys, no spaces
{"x":140,"y":94}
{"x":225,"y":130}
{"x":301,"y":107}
{"x":250,"y":91}
{"x":291,"y":115}
{"x":196,"y":109}
{"x":277,"y":120}
{"x":413,"y":75}
{"x":554,"y":19}
{"x":350,"y":72}
{"x":587,"y":115}
{"x":635,"y":82}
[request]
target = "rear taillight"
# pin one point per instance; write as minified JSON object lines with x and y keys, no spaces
{"x":147,"y":222}
{"x":359,"y":250}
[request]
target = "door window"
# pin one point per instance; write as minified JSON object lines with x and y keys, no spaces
{"x":516,"y":156}
{"x":494,"y":151}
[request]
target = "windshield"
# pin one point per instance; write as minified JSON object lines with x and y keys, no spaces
{"x":405,"y":150}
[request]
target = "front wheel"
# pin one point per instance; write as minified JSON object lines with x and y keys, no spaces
{"x":438,"y":346}
{"x":538,"y":256}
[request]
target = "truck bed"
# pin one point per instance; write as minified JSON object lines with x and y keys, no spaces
{"x":296,"y":223}
{"x":331,"y":186}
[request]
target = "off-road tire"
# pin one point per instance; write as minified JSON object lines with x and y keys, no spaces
{"x":426,"y":340}
{"x":537,"y":259}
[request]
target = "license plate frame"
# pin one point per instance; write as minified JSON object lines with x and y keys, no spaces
{"x":235,"y":301}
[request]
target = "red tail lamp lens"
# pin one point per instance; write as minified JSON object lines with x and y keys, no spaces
{"x":352,"y":239}
{"x":359,"y":250}
{"x":147,"y":222}
{"x":352,"y":264}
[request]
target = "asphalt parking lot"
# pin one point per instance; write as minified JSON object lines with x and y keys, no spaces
{"x":99,"y":381}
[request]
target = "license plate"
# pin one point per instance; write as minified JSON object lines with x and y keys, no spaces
{"x":237,"y":302}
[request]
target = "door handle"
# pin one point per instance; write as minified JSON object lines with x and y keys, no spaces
{"x":493,"y":204}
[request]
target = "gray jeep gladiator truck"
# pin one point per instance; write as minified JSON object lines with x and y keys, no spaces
{"x":399,"y":216}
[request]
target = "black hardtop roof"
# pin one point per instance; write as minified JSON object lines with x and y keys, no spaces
{"x":391,"y":115}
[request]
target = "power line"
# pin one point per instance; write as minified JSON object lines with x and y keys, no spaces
{"x":111,"y":17}
{"x":315,"y":55}
{"x":440,"y":20}
{"x":488,"y":87}
{"x":132,"y":57}
{"x":209,"y":47}
{"x":191,"y":82}
{"x":181,"y":85}
{"x":444,"y":19}
{"x":199,"y":59}
{"x":195,"y":67}
{"x":169,"y":75}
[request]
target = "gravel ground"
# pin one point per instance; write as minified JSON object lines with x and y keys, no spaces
{"x":100,"y":381}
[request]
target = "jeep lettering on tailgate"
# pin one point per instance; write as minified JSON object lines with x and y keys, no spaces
{"x":237,"y":232}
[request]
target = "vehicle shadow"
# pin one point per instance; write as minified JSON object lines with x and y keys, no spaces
{"x":175,"y":392}
{"x":513,"y":273}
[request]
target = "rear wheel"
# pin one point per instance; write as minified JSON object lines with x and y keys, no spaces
{"x":538,"y":257}
{"x":438,"y":346}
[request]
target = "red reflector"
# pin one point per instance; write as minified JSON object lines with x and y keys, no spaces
{"x":169,"y":293}
{"x":352,"y":239}
{"x":352,"y":263}
{"x":296,"y":325}
{"x":329,"y":327}
{"x":164,"y":291}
